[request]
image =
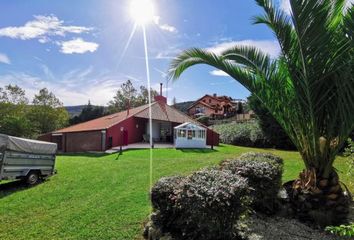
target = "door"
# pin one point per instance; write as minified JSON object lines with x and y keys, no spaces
{"x":125,"y":137}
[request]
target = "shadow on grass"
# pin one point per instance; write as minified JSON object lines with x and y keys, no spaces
{"x":9,"y":188}
{"x":197,"y":150}
{"x":85,"y":154}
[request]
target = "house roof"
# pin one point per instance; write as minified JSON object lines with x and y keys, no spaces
{"x":217,"y":98}
{"x":160,"y":111}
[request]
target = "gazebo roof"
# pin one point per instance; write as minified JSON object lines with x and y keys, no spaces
{"x":189,"y":126}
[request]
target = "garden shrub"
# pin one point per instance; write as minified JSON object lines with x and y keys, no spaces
{"x":163,"y":200}
{"x":248,"y":134}
{"x":264,"y":172}
{"x":204,"y":205}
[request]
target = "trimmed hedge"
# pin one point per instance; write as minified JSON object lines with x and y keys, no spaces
{"x":204,"y":205}
{"x":248,"y":134}
{"x":207,"y":204}
{"x":264,"y":172}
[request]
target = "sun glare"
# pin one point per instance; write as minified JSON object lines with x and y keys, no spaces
{"x":142,"y":11}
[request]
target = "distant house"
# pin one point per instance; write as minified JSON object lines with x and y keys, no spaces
{"x":124,"y":128}
{"x":213,"y":106}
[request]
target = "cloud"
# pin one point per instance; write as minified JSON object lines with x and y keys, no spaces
{"x":75,"y":87}
{"x":168,"y":28}
{"x":269,"y":46}
{"x":165,"y":27}
{"x":77,"y":45}
{"x":219,"y":73}
{"x":41,"y":28}
{"x":285,"y":6}
{"x":4,"y":59}
{"x":169,"y":53}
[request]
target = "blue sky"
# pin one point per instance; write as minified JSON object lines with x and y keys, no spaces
{"x":75,"y":48}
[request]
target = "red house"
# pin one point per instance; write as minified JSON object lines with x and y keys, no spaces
{"x":213,"y":106}
{"x":124,"y":128}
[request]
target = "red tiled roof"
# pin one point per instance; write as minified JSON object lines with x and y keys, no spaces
{"x":160,"y":111}
{"x":102,"y":122}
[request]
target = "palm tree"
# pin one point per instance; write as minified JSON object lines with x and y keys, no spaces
{"x":309,"y":88}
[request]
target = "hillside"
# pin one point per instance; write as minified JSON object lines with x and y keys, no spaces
{"x":74,"y":110}
{"x":183,"y":106}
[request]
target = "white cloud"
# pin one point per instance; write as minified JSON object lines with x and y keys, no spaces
{"x":285,"y":6}
{"x":168,"y":28}
{"x":41,"y":28}
{"x":4,"y":59}
{"x":269,"y":46}
{"x":219,"y":73}
{"x":73,"y":88}
{"x":165,"y":27}
{"x":77,"y":45}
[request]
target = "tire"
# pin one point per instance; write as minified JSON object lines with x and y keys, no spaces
{"x":32,"y":178}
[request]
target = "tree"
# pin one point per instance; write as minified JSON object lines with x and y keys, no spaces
{"x":309,"y":90}
{"x":89,"y":112}
{"x":13,"y":94}
{"x":47,"y":112}
{"x":270,"y":127}
{"x":128,"y":95}
{"x":174,"y":101}
{"x":143,"y":97}
{"x":124,"y":96}
{"x":239,"y":108}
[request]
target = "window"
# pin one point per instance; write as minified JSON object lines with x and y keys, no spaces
{"x":191,"y":134}
{"x":209,"y":100}
{"x":181,"y":133}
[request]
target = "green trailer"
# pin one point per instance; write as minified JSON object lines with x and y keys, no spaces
{"x":26,"y":159}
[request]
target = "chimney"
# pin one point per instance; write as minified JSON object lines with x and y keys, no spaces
{"x":214,"y":95}
{"x":161,"y":98}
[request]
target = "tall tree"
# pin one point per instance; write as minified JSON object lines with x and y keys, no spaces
{"x":13,"y":94}
{"x":309,"y":89}
{"x":128,"y":96}
{"x":124,"y":96}
{"x":47,"y":112}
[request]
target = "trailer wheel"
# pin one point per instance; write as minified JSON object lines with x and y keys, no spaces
{"x":32,"y":178}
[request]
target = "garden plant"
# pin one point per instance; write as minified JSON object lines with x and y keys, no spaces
{"x":308,"y":88}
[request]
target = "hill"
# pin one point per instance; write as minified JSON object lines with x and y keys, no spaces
{"x":183,"y":106}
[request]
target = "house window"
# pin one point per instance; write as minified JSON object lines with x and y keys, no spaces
{"x":191,"y":134}
{"x":199,"y":110}
{"x":181,"y":133}
{"x":209,"y":100}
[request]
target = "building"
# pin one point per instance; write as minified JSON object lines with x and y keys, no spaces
{"x":213,"y":106}
{"x":190,"y":135}
{"x":124,"y":128}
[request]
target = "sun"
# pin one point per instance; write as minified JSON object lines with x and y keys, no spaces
{"x":142,"y":11}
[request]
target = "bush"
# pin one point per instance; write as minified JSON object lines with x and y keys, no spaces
{"x":203,"y":120}
{"x":264,"y":172}
{"x":271,"y":129}
{"x":163,"y":200}
{"x":248,"y":134}
{"x":204,"y":205}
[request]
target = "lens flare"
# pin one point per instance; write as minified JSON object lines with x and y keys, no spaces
{"x":142,"y":11}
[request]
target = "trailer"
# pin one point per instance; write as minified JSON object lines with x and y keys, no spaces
{"x":29,"y":160}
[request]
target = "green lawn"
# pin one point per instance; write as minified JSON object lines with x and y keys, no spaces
{"x":102,"y":197}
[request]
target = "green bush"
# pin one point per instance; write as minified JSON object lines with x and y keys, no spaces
{"x":204,"y":205}
{"x":247,"y":134}
{"x":264,"y":172}
{"x":342,"y":230}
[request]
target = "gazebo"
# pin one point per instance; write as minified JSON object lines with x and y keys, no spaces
{"x":190,"y":135}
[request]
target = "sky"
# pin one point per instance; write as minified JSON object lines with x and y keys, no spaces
{"x":80,"y":50}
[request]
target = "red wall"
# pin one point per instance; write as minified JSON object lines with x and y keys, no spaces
{"x":212,"y":138}
{"x":134,"y":134}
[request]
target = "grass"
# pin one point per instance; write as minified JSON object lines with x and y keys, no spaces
{"x":104,"y":197}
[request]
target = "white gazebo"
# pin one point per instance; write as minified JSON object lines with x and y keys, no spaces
{"x":190,"y":135}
